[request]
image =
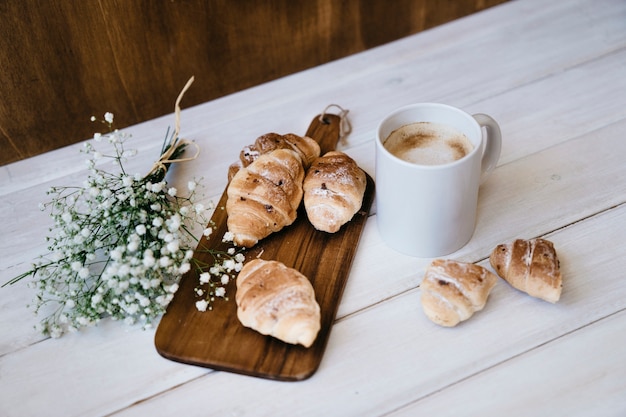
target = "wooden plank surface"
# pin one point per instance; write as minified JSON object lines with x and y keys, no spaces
{"x":207,"y":338}
{"x":551,"y":74}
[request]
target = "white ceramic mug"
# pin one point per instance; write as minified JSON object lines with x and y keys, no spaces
{"x":430,"y":210}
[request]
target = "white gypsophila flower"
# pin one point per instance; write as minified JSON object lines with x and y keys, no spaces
{"x":129,"y":153}
{"x":229,"y":264}
{"x":148,"y":261}
{"x":174,"y":223}
{"x":225,"y":279}
{"x":191,"y":185}
{"x":205,"y":277}
{"x":118,"y":246}
{"x":132,"y":309}
{"x":202,"y":305}
{"x":66,"y":217}
{"x":220,"y":292}
{"x":55,"y":331}
{"x":173,"y":246}
{"x":132,"y":246}
{"x":96,"y":298}
{"x":156,"y":188}
{"x":184,"y":268}
{"x":116,"y":254}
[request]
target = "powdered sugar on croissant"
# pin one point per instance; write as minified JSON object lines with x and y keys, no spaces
{"x":333,"y":191}
{"x":264,"y":196}
{"x":278,"y":301}
{"x":306,"y":148}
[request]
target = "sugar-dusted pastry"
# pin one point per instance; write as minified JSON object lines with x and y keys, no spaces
{"x":307,"y":148}
{"x":264,"y":196}
{"x":531,"y":266}
{"x":333,"y":191}
{"x":453,"y":291}
{"x":278,"y":301}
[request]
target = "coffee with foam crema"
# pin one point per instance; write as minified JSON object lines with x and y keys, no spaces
{"x":428,"y":143}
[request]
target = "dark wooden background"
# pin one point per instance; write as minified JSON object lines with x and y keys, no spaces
{"x":62,"y":61}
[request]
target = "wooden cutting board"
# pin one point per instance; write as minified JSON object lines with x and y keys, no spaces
{"x":216,"y":339}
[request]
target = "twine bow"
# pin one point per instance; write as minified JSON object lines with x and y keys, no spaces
{"x":176,"y":144}
{"x":344,"y":124}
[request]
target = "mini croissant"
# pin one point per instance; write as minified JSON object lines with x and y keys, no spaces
{"x":307,"y":148}
{"x":264,"y":196}
{"x":277,"y":301}
{"x":531,"y":266}
{"x":333,"y":191}
{"x":453,"y":291}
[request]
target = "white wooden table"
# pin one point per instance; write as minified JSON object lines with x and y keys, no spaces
{"x":554,"y":75}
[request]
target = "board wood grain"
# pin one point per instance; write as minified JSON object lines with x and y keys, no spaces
{"x":216,"y":339}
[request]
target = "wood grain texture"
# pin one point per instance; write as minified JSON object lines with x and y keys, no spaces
{"x":63,"y":62}
{"x":207,"y":338}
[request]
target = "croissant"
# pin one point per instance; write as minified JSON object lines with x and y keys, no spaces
{"x":531,"y":266}
{"x":277,"y":301}
{"x":453,"y":291}
{"x":307,"y":148}
{"x":264,"y":196}
{"x":333,"y":191}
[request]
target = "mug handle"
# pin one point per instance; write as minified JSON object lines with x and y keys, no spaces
{"x":493,"y":144}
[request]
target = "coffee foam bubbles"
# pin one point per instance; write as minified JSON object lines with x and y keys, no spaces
{"x":428,"y":143}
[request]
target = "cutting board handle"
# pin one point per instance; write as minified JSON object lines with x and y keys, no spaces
{"x":325,"y":129}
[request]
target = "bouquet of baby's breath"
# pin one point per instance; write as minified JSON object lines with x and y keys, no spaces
{"x":121,"y":242}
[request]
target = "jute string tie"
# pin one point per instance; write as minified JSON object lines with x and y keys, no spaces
{"x":344,"y":124}
{"x":175,"y":140}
